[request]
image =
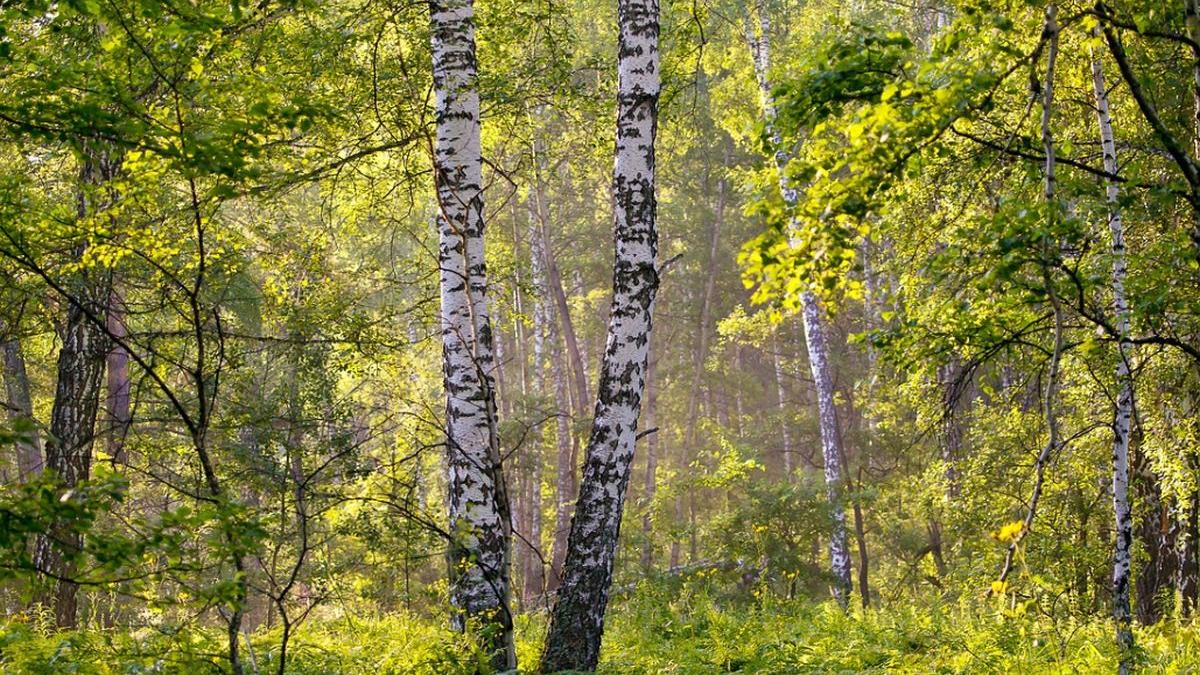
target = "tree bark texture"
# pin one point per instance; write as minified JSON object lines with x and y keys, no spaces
{"x":577,"y":619}
{"x":480,"y":521}
{"x":1123,"y":413}
{"x":81,"y":360}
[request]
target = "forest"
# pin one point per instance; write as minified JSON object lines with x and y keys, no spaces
{"x":618,"y":336}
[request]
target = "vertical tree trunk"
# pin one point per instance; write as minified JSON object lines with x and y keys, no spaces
{"x":1188,"y":581}
{"x":1123,"y":413}
{"x":535,"y":573}
{"x":706,"y":301}
{"x":116,"y":406}
{"x":519,"y":408}
{"x":567,"y":328}
{"x":651,"y":482}
{"x":480,"y":520}
{"x":20,"y":409}
{"x":953,"y":393}
{"x":785,"y":429}
{"x":564,"y":482}
{"x":814,"y":334}
{"x":1187,"y":573}
{"x":77,"y":395}
{"x":1154,"y":577}
{"x":570,"y":384}
{"x":864,"y":560}
{"x":577,"y":620}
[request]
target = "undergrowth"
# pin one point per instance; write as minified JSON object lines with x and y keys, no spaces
{"x":656,"y":630}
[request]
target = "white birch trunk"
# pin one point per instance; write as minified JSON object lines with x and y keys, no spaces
{"x":1124,"y":409}
{"x":480,"y":521}
{"x":814,"y":332}
{"x":535,"y":571}
{"x":577,"y":620}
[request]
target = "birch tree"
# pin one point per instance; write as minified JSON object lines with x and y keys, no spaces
{"x":535,"y":571}
{"x":814,"y":330}
{"x":480,"y":522}
{"x":1123,"y":412}
{"x":577,"y":619}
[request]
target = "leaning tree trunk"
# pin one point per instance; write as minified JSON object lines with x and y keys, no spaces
{"x":814,"y":335}
{"x":76,"y":396}
{"x":20,"y":410}
{"x":577,"y":620}
{"x":1123,"y":413}
{"x":568,"y":399}
{"x":478,"y":500}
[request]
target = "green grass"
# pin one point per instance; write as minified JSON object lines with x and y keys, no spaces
{"x":655,"y":631}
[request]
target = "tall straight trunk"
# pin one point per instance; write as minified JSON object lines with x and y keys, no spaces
{"x":519,"y":408}
{"x":577,"y":620}
{"x":478,"y":499}
{"x":570,"y":383}
{"x":1191,"y":12}
{"x":502,"y":399}
{"x":1049,"y":250}
{"x":566,"y":325}
{"x":1123,"y":414}
{"x":20,"y":410}
{"x":77,"y":394}
{"x":1188,"y":577}
{"x":564,"y":483}
{"x":814,"y":334}
{"x":864,"y":559}
{"x":117,"y":408}
{"x":1187,"y":573}
{"x":535,"y":573}
{"x":706,"y":301}
{"x":953,"y":392}
{"x":1154,"y":578}
{"x":579,"y":289}
{"x":650,"y":485}
{"x":785,"y":429}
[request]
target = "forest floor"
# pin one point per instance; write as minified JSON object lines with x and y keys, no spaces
{"x":653,"y":632}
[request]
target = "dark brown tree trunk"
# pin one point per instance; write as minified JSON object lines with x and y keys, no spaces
{"x":864,"y":560}
{"x":1153,"y":529}
{"x":81,"y":361}
{"x":1187,"y":579}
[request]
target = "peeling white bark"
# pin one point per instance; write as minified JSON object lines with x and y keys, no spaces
{"x":478,"y":501}
{"x":577,"y":620}
{"x":1122,"y":415}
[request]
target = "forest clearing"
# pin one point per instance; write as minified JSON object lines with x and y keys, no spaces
{"x":539,"y":336}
